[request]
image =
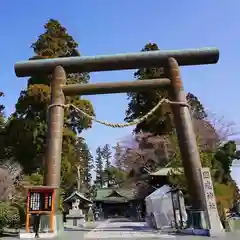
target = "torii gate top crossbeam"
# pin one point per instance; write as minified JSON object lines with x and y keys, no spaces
{"x":117,"y":62}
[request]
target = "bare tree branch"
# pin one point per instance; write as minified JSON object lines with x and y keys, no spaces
{"x":226,"y":130}
{"x":143,"y":150}
{"x":10,"y":177}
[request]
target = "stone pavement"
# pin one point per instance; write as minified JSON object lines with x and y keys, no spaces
{"x":122,"y":229}
{"x":118,"y":229}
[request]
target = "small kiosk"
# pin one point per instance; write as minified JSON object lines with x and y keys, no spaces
{"x":165,"y":207}
{"x":40,"y":212}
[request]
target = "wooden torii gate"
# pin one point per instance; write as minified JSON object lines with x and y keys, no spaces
{"x":170,"y":60}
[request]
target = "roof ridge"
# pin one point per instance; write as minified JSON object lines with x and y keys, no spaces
{"x":81,"y":195}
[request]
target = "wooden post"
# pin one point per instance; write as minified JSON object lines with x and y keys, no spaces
{"x":28,"y":214}
{"x":55,"y":129}
{"x":53,"y":210}
{"x":186,"y":138}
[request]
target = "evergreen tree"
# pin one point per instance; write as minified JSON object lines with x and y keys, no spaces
{"x":107,"y":155}
{"x":2,"y":115}
{"x":118,"y":155}
{"x":27,"y":127}
{"x":140,"y":103}
{"x":3,"y":149}
{"x":99,"y":167}
{"x":6,"y":153}
{"x":225,"y":155}
{"x":84,"y":161}
{"x":88,"y":166}
{"x":80,"y":162}
{"x":197,"y":109}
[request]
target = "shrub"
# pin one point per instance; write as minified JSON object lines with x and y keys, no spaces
{"x":22,"y":211}
{"x":9,"y":216}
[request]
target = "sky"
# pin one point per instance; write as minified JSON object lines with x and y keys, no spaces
{"x":120,"y":26}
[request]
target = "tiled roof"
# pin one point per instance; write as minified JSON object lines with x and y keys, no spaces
{"x":115,"y":200}
{"x":78,"y":195}
{"x":166,"y":171}
{"x":113,"y":194}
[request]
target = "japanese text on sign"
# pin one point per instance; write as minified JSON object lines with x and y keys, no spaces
{"x":40,"y":201}
{"x":208,"y":185}
{"x":212,"y":205}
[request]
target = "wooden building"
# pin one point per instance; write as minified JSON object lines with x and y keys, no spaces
{"x":161,"y":177}
{"x":122,"y":202}
{"x":117,"y":202}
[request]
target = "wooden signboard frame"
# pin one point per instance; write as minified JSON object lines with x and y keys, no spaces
{"x":47,"y":191}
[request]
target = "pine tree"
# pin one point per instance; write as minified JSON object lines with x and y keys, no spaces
{"x":99,"y":167}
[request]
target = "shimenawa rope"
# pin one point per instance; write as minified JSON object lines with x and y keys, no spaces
{"x":121,"y":125}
